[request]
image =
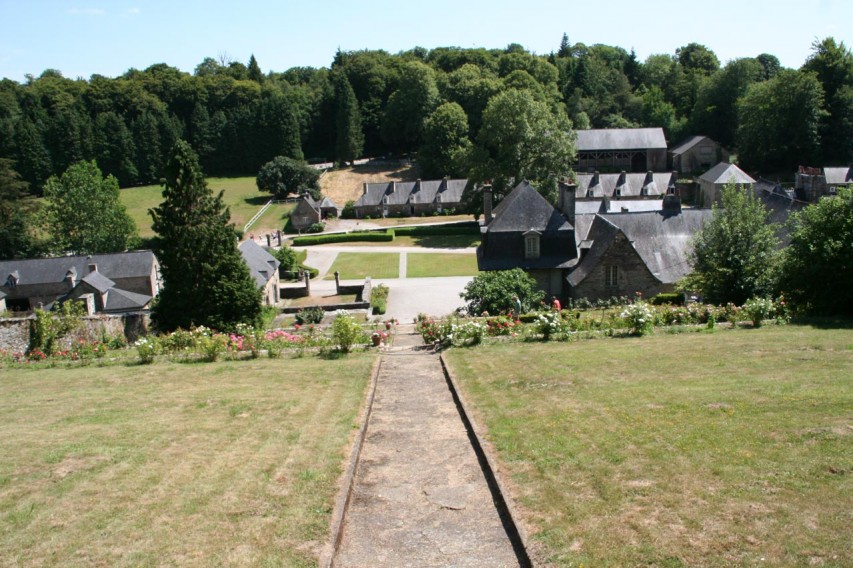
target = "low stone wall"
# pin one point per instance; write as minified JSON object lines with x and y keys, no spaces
{"x":15,"y":332}
{"x":332,"y":307}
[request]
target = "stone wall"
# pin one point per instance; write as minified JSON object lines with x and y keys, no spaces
{"x":632,"y":275}
{"x":15,"y":332}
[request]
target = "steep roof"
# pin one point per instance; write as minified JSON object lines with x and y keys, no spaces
{"x":724,"y":173}
{"x":661,"y":240}
{"x":686,"y":145}
{"x":124,"y":300}
{"x":621,"y":139}
{"x":838,"y":176}
{"x":525,"y":209}
{"x":98,"y":281}
{"x":406,"y":192}
{"x":625,"y":184}
{"x":262,"y":264}
{"x":51,"y":270}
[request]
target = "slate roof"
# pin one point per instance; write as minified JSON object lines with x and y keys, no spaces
{"x":838,"y":176}
{"x":52,"y":270}
{"x":661,"y":240}
{"x":780,"y":203}
{"x":625,"y":184}
{"x":723,"y":173}
{"x":621,"y":139}
{"x":411,"y":192}
{"x":525,"y":209}
{"x":686,"y":145}
{"x":124,"y":300}
{"x":98,"y":281}
{"x":262,"y":265}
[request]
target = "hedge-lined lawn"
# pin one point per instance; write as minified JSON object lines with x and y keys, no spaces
{"x":426,"y":265}
{"x":358,"y":265}
{"x":732,"y":448}
{"x":231,"y":463}
{"x":241,"y":196}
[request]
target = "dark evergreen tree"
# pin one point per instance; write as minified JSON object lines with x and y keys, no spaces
{"x":15,"y":239}
{"x":349,"y":138}
{"x":205,"y":280}
{"x":254,"y":70}
{"x":115,"y":151}
{"x":33,"y":160}
{"x":565,"y":47}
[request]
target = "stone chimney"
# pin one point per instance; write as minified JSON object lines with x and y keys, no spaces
{"x":671,"y":204}
{"x":566,"y":200}
{"x":365,"y":189}
{"x":93,"y":267}
{"x":71,"y":277}
{"x":487,"y":204}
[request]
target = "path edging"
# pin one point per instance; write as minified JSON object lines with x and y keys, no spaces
{"x":518,"y":536}
{"x":342,"y":501}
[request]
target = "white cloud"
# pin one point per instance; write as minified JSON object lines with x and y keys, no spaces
{"x":87,"y":11}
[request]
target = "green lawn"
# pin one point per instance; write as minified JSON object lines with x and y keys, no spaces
{"x":425,"y":265}
{"x":732,"y":448}
{"x":358,"y":265}
{"x":241,"y":195}
{"x":231,"y":463}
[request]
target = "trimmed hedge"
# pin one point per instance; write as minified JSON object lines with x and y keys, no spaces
{"x":674,"y":299}
{"x":344,"y":238}
{"x":466,"y":228}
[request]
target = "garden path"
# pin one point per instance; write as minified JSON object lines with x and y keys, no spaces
{"x":420,"y":497}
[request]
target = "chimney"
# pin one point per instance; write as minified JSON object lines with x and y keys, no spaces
{"x":671,"y":204}
{"x":566,"y":202}
{"x":365,"y":189}
{"x":71,"y":276}
{"x":487,"y":204}
{"x":93,"y":267}
{"x":671,"y":189}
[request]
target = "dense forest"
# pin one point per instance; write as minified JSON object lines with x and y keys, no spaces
{"x":430,"y":102}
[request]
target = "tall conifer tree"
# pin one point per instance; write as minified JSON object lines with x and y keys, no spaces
{"x":206,"y":282}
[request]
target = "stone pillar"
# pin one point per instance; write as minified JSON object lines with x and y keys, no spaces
{"x":308,"y":282}
{"x":269,"y":240}
{"x":337,"y":282}
{"x":487,"y":204}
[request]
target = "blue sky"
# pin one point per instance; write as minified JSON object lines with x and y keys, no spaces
{"x":107,"y":37}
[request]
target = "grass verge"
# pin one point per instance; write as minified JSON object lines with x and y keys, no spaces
{"x":204,"y":464}
{"x":702,"y":449}
{"x":358,"y":265}
{"x":425,"y":265}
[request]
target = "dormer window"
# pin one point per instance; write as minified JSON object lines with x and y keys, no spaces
{"x":590,"y":193}
{"x":617,"y":192}
{"x":12,"y":280}
{"x":531,"y":245}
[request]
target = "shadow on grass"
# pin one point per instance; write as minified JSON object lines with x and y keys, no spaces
{"x":407,"y":174}
{"x":258,"y":200}
{"x":824,"y":322}
{"x":447,"y":241}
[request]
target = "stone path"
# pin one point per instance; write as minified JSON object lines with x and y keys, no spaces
{"x":420,"y":497}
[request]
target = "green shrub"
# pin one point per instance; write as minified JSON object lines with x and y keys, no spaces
{"x":310,"y":315}
{"x":639,"y":317}
{"x":348,"y":212}
{"x":47,"y":328}
{"x":493,"y":292}
{"x":346,"y":332}
{"x":316,"y":228}
{"x":758,"y":310}
{"x":147,"y":347}
{"x":668,"y":298}
{"x":379,"y":298}
{"x":467,"y":228}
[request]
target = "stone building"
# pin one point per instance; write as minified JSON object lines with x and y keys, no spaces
{"x":410,"y":198}
{"x":110,"y":283}
{"x":697,"y":154}
{"x":264,"y":269}
{"x":310,"y":211}
{"x":712,"y":182}
{"x":813,"y":183}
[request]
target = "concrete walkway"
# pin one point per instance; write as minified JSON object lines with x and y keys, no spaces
{"x":420,"y":496}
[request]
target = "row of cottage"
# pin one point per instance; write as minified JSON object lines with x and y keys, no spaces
{"x":113,"y":283}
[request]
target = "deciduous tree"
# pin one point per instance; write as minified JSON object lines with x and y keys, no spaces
{"x":445,"y":142}
{"x":84,"y":214}
{"x":283,"y":176}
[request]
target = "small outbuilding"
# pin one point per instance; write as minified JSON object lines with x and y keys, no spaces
{"x":264,"y":270}
{"x":616,"y":149}
{"x":711,"y":183}
{"x":697,"y":154}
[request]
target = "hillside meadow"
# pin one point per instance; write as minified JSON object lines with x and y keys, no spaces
{"x":732,"y":448}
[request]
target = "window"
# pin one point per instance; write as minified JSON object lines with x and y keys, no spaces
{"x":531,"y":245}
{"x":611,"y":276}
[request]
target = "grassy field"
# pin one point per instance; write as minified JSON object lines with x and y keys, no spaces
{"x":241,"y":195}
{"x":431,"y":241}
{"x":358,"y":265}
{"x":426,"y":265}
{"x":231,"y":463}
{"x":732,"y":448}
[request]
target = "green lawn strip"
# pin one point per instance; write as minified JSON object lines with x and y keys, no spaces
{"x":273,"y":219}
{"x":358,"y":265}
{"x":702,"y":449}
{"x":241,"y":195}
{"x":425,"y":265}
{"x":218,"y":463}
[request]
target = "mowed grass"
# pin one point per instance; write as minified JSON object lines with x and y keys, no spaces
{"x":727,"y":449}
{"x":358,"y":265}
{"x":241,"y":196}
{"x":426,"y":265}
{"x":231,"y":463}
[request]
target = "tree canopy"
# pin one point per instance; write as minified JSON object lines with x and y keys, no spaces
{"x":205,"y":280}
{"x":734,"y":255}
{"x":283,"y":176}
{"x":84,"y":214}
